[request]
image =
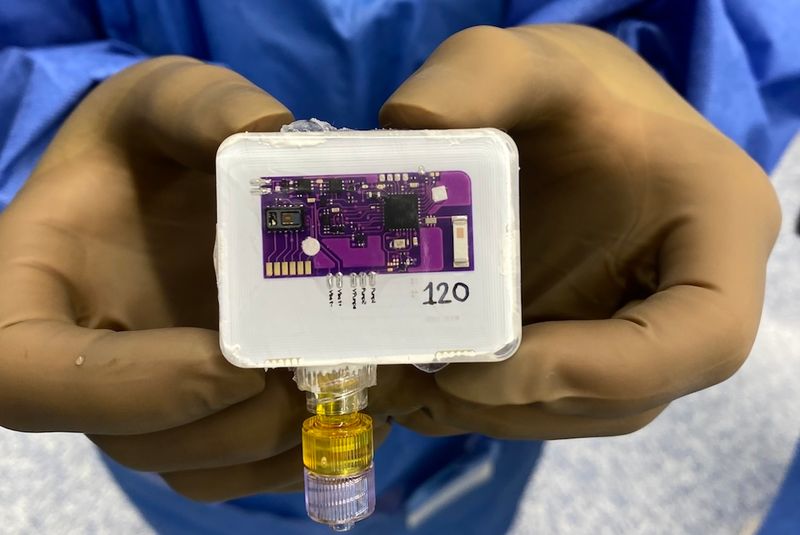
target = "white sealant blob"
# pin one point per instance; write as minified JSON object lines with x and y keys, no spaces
{"x":310,"y":246}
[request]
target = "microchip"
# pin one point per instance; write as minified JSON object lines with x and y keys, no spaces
{"x":302,"y":185}
{"x":359,"y":240}
{"x":400,"y":212}
{"x":335,"y":184}
{"x":325,"y":220}
{"x":283,"y":218}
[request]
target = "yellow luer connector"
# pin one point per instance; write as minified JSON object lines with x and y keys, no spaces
{"x":337,"y":445}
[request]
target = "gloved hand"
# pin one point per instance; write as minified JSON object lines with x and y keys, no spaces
{"x":108,"y":308}
{"x":645,"y":234}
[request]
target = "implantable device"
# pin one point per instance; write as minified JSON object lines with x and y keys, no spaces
{"x":338,"y":251}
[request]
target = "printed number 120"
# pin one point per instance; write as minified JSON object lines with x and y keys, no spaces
{"x":460,"y":293}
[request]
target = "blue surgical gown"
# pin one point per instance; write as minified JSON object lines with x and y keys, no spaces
{"x":737,"y":61}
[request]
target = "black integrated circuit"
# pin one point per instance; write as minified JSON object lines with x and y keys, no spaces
{"x":336,"y":185}
{"x":359,"y":240}
{"x":283,"y":218}
{"x":401,"y":212}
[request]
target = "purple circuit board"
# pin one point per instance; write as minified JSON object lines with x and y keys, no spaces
{"x":383,"y":223}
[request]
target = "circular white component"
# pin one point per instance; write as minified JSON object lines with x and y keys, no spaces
{"x":310,"y":246}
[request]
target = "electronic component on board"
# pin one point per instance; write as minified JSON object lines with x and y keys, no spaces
{"x":460,"y":241}
{"x":439,"y":194}
{"x":312,"y":221}
{"x":335,"y":185}
{"x":401,"y":212}
{"x":283,"y":219}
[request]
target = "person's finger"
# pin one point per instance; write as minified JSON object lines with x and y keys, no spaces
{"x":179,"y":106}
{"x":534,"y":422}
{"x":281,"y":473}
{"x":256,"y":429}
{"x":400,"y":389}
{"x":694,"y":331}
{"x":521,"y":78}
{"x":459,"y":84}
{"x":220,"y":484}
{"x":55,"y":376}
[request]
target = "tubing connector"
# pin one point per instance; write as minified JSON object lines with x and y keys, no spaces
{"x":337,"y":444}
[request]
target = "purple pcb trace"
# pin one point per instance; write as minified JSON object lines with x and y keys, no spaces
{"x":366,"y":223}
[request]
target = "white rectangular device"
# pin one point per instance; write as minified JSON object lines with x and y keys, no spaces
{"x":368,"y":247}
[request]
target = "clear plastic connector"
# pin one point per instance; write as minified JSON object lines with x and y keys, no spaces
{"x":339,"y":501}
{"x":338,"y":444}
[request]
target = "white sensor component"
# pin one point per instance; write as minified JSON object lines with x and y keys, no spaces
{"x":439,"y":193}
{"x":460,"y":241}
{"x":378,"y":247}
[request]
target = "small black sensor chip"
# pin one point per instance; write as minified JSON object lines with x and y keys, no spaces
{"x":302,"y":185}
{"x":335,"y":185}
{"x":283,"y":218}
{"x":400,"y":212}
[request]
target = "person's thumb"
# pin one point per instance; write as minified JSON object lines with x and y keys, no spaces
{"x":530,"y":77}
{"x":175,"y":107}
{"x":483,"y":76}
